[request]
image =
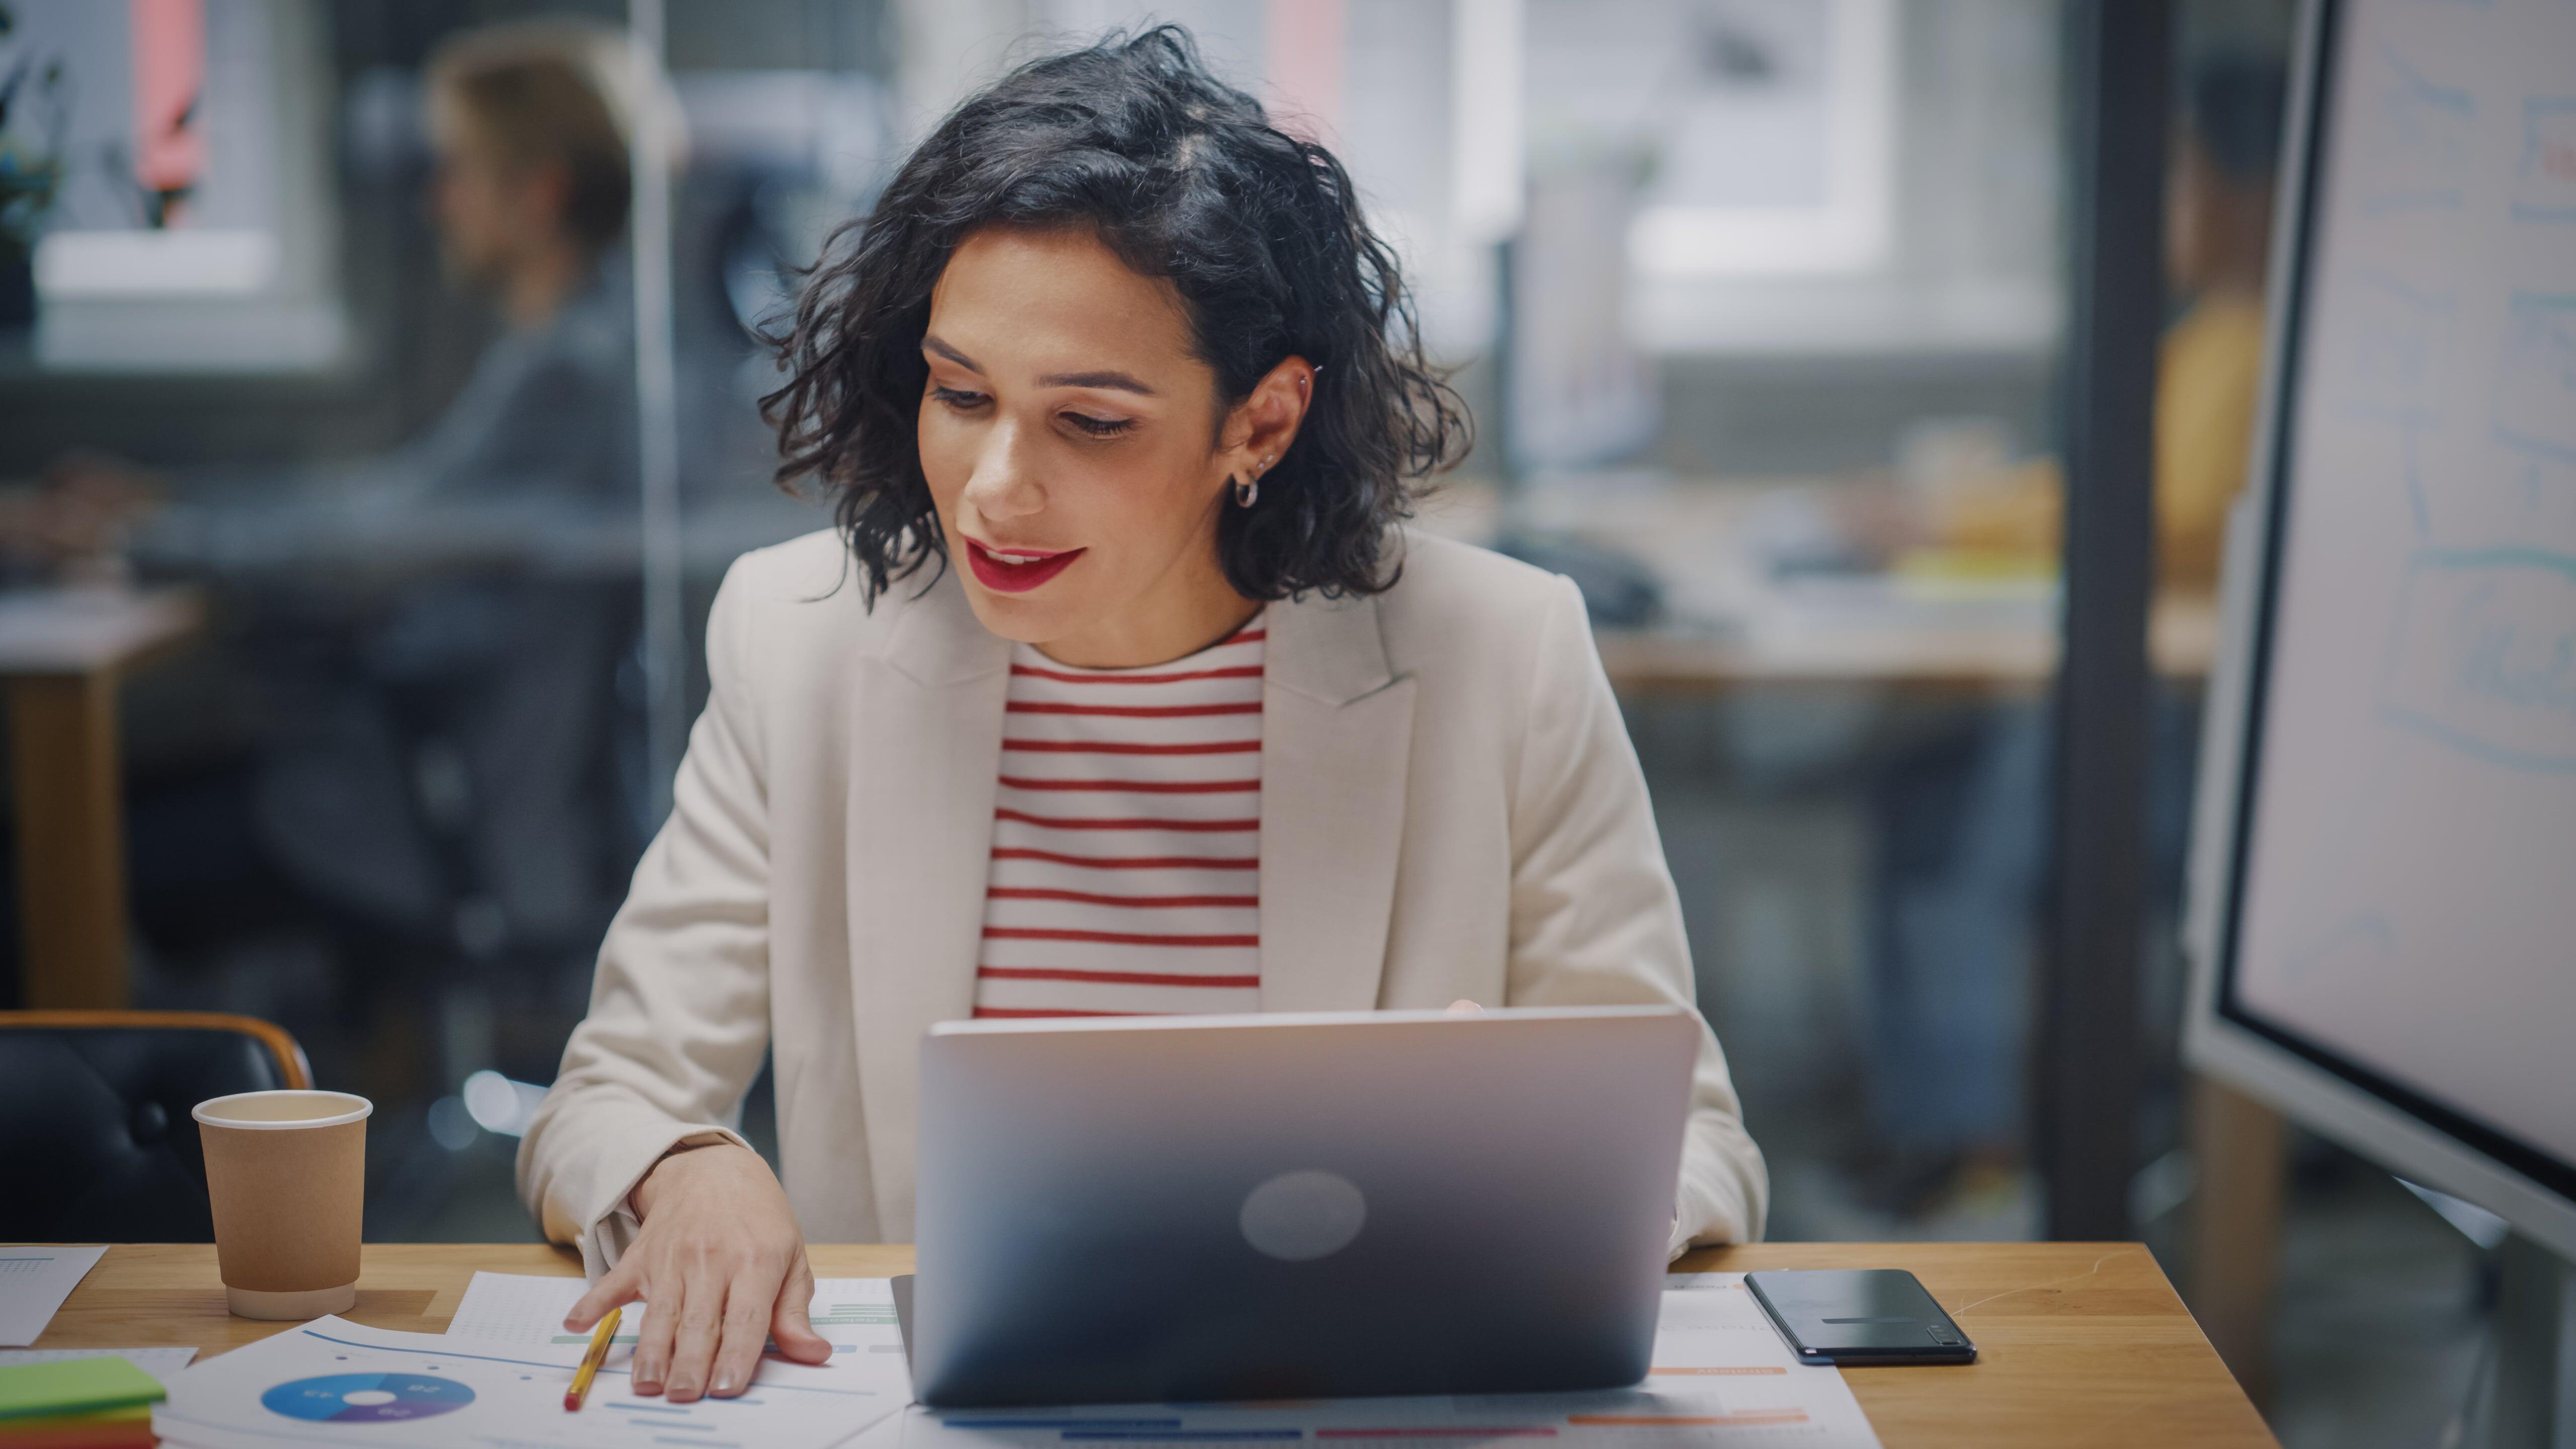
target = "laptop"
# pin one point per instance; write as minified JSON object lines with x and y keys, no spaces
{"x":1193,"y":1209}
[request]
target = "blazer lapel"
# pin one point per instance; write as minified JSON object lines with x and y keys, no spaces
{"x":927,"y":722}
{"x":1336,"y":734}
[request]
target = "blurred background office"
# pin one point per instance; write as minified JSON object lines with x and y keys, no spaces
{"x":324,"y":325}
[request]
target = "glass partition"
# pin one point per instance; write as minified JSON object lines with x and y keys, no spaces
{"x":329,"y":340}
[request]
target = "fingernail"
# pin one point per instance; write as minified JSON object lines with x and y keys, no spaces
{"x":724,"y":1385}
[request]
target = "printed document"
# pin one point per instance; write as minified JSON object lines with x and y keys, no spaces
{"x":33,"y":1283}
{"x":1721,"y":1377}
{"x":856,"y":1315}
{"x":333,"y":1382}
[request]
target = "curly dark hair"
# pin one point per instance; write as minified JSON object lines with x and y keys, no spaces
{"x":1185,"y":179}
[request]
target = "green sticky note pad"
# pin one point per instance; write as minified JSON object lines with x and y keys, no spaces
{"x":81,"y":1385}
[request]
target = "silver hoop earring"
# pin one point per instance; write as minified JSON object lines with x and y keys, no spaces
{"x":1247,"y":491}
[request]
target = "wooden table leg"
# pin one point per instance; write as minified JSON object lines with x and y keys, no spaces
{"x":71,"y":846}
{"x":2239,"y":1145}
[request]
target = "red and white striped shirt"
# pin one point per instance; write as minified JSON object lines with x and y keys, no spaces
{"x":1126,"y":867}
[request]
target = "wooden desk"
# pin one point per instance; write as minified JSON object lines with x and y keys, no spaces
{"x":2079,"y":1343}
{"x":61,"y":653}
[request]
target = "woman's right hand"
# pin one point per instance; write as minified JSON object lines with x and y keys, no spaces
{"x":721,"y":1264}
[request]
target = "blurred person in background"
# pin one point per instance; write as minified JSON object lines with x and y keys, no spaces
{"x":433,"y":635}
{"x":528,"y":125}
{"x":2218,"y":238}
{"x":452,"y":781}
{"x":1962,"y":826}
{"x":530,"y":196}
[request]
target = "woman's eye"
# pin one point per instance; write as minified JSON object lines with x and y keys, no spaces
{"x":958,"y":398}
{"x":1099,"y":427}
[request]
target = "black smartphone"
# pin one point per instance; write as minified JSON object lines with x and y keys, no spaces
{"x":1853,"y":1316}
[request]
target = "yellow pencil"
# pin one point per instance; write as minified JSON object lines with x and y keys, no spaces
{"x":591,"y":1359}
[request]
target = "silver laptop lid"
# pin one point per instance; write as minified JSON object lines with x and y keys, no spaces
{"x":1200,"y":1208}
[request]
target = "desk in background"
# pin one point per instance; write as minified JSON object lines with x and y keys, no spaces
{"x":61,"y":654}
{"x":2078,"y":1343}
{"x":1736,"y":620}
{"x":1923,"y":655}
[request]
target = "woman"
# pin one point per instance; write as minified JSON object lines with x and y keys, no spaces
{"x":1118,"y":689}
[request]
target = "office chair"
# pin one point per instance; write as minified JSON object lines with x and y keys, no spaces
{"x":94,"y":1118}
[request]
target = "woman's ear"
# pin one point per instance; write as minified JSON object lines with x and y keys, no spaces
{"x":1257,"y":433}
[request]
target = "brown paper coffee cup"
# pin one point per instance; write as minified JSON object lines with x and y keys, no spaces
{"x":287,"y":1172}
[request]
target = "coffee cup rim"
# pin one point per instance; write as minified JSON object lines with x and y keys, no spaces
{"x":210,"y":1113}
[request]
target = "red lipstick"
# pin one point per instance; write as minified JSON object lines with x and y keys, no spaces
{"x":1025,"y":568}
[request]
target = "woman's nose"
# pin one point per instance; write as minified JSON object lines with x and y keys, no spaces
{"x":1003,"y":485}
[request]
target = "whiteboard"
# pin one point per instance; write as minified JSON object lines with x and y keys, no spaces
{"x":2402,"y":896}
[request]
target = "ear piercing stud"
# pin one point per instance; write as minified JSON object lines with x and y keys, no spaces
{"x":1248,"y":490}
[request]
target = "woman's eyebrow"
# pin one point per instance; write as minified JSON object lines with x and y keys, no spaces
{"x":1117,"y":381}
{"x":933,"y":344}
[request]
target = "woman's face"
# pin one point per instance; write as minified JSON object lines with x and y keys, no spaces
{"x":1077,"y":451}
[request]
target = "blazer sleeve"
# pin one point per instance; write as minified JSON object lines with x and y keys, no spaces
{"x":679,"y":1006}
{"x":1595,"y":920}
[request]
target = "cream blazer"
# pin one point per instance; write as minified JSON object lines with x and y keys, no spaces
{"x":1449,"y":808}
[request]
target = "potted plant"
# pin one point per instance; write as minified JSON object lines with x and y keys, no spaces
{"x":34,"y":112}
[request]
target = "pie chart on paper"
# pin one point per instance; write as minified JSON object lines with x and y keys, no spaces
{"x":366,"y":1398}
